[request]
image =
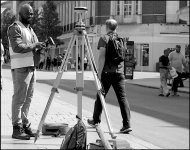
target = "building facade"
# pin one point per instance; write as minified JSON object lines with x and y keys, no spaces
{"x":153,"y":26}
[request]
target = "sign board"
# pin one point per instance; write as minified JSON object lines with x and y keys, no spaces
{"x":129,"y":60}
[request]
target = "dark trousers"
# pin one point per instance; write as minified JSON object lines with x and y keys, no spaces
{"x":176,"y":82}
{"x":117,"y":80}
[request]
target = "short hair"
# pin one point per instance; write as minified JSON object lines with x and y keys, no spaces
{"x":23,"y":8}
{"x":165,"y":51}
{"x":111,"y":24}
{"x":178,"y":46}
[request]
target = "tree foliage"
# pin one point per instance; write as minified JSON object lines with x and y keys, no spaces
{"x":36,"y":20}
{"x":8,"y":19}
{"x":45,"y":23}
{"x":49,"y":23}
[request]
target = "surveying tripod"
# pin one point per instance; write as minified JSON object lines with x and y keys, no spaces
{"x":78,"y":34}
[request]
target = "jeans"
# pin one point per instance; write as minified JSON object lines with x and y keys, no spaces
{"x":163,"y":79}
{"x":176,"y":82}
{"x":117,"y":80}
{"x":23,"y":85}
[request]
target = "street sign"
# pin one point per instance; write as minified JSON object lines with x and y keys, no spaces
{"x":129,"y":60}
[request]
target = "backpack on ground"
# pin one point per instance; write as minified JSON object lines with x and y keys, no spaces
{"x":115,"y":50}
{"x":75,"y":137}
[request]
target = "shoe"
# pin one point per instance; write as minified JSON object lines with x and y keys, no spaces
{"x":28,"y":130}
{"x":92,"y":123}
{"x":168,"y":94}
{"x":175,"y":94}
{"x":18,"y":133}
{"x":161,"y":95}
{"x":126,"y":130}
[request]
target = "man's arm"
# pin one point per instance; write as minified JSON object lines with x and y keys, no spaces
{"x":101,"y":60}
{"x":160,"y":62}
{"x":184,"y":62}
{"x":17,"y":44}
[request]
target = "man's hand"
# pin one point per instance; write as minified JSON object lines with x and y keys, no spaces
{"x":39,"y":46}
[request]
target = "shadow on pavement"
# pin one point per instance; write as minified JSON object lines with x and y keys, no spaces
{"x":90,"y":91}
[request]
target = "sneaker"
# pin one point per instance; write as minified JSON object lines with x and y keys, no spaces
{"x":175,"y":94}
{"x":28,"y":130}
{"x":168,"y":94}
{"x":91,"y":123}
{"x":18,"y":133}
{"x":161,"y":94}
{"x":126,"y":130}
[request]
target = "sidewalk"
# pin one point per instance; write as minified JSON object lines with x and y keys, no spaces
{"x":62,"y":112}
{"x":59,"y":112}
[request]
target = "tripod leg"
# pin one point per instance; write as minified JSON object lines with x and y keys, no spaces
{"x":98,"y":84}
{"x":55,"y":86}
{"x":79,"y":79}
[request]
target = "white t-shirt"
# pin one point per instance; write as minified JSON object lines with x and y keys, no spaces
{"x":177,"y":60}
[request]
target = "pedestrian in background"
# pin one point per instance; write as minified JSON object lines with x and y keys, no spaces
{"x":55,"y":64}
{"x":59,"y":60}
{"x":48,"y":63}
{"x":85,"y":62}
{"x":177,"y":60}
{"x":111,"y":75}
{"x":25,"y":55}
{"x":164,"y":71}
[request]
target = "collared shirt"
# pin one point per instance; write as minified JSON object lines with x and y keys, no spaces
{"x":177,"y":60}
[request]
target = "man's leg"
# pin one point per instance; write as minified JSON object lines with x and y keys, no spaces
{"x":175,"y":84}
{"x":164,"y":83}
{"x":105,"y":80}
{"x":20,"y":84}
{"x":118,"y":84}
{"x":29,"y":96}
{"x":161,"y":82}
{"x":26,"y":106}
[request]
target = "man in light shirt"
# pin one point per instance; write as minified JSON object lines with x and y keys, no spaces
{"x":177,"y":60}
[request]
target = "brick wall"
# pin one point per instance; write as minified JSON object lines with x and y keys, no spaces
{"x":150,"y":9}
{"x":102,"y":11}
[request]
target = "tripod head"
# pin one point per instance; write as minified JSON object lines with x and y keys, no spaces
{"x":80,"y":25}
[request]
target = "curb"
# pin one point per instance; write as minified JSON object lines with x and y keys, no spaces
{"x":149,"y":86}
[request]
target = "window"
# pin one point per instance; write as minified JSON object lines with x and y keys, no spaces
{"x":127,"y":8}
{"x":136,"y":7}
{"x":187,"y":51}
{"x":118,"y":7}
{"x":145,"y":55}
